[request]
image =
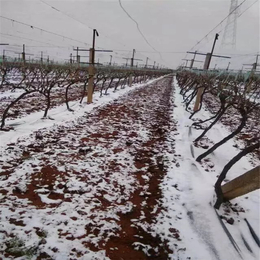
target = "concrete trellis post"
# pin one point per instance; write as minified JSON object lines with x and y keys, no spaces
{"x":206,"y":67}
{"x":23,"y":53}
{"x":132,"y":64}
{"x":91,"y":71}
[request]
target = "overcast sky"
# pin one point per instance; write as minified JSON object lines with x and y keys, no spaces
{"x":168,"y":26}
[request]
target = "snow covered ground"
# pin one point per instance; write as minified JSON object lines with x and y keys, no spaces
{"x":65,"y":183}
{"x":118,"y":179}
{"x":26,"y":125}
{"x":189,"y":195}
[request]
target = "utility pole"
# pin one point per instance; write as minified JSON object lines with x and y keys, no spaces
{"x":154,"y":64}
{"x":71,"y":58}
{"x":91,"y":68}
{"x":212,"y":50}
{"x":110,"y":62}
{"x":95,"y":33}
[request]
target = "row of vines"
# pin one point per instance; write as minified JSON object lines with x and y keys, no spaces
{"x":46,"y":86}
{"x":237,"y":102}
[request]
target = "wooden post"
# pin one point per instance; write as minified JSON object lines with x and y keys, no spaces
{"x":91,"y":71}
{"x":242,"y":185}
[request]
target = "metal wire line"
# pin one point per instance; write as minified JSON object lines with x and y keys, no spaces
{"x":73,"y":18}
{"x":216,"y":26}
{"x":221,"y":23}
{"x":25,"y":38}
{"x":138,"y":28}
{"x":56,"y":9}
{"x":42,"y":30}
{"x":248,"y":8}
{"x":229,"y":23}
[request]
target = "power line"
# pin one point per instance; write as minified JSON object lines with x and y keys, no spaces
{"x":43,"y":46}
{"x":10,"y":35}
{"x":137,"y":25}
{"x":73,"y":18}
{"x":238,"y":16}
{"x":56,"y":9}
{"x":222,"y":22}
{"x":173,"y":52}
{"x":42,"y":30}
{"x":247,"y":8}
{"x":217,"y":25}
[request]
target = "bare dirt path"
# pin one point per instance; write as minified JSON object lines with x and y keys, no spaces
{"x":89,"y":189}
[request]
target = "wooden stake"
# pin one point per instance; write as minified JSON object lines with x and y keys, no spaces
{"x":242,"y":185}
